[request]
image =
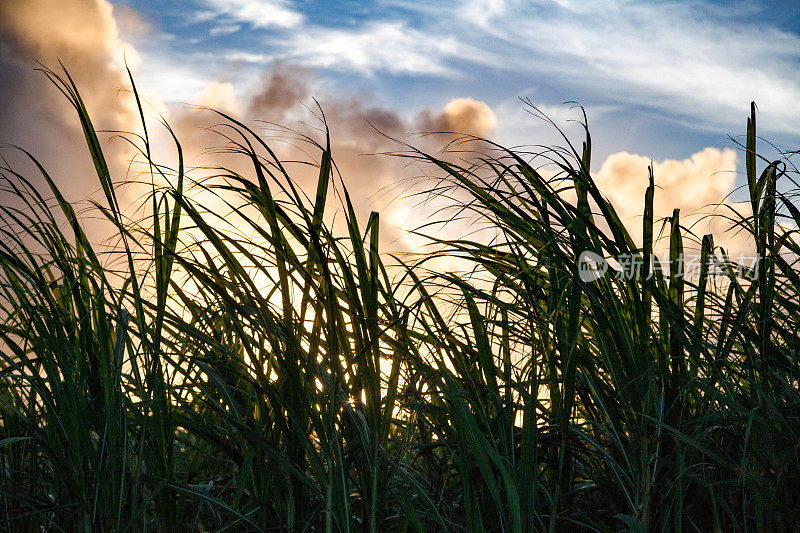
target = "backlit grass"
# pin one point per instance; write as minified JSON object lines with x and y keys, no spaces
{"x":258,"y":370}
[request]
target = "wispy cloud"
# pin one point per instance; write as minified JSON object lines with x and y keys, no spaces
{"x":482,"y":12}
{"x":392,"y":47}
{"x":225,"y":29}
{"x":682,"y":58}
{"x":259,"y":13}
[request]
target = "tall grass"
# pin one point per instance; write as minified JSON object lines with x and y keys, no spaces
{"x":253,"y":368}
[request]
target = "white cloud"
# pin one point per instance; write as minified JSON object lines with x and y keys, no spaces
{"x":173,"y":80}
{"x":259,"y":13}
{"x":482,"y":12}
{"x":247,"y":57}
{"x":678,"y":58}
{"x":225,"y":29}
{"x":380,"y":46}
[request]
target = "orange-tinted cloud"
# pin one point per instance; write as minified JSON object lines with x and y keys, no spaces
{"x":283,"y":88}
{"x":691,"y":184}
{"x":698,"y":186}
{"x":461,"y":116}
{"x":132,"y":25}
{"x":360,"y":135}
{"x":83,"y":35}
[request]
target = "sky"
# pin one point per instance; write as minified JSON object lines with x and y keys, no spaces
{"x":661,"y":81}
{"x":661,"y":78}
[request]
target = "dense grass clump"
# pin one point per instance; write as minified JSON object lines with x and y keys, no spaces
{"x":260,"y":370}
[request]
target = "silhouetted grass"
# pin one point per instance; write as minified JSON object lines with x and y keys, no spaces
{"x":256,"y":370}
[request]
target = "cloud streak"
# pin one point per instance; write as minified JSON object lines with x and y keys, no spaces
{"x":391,"y":47}
{"x":684,"y":59}
{"x":258,"y":13}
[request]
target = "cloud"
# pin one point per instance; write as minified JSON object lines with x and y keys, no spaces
{"x":698,"y":186}
{"x":685,"y":67}
{"x":283,"y":95}
{"x":84,"y":36}
{"x":220,"y":96}
{"x":172,"y":77}
{"x":225,"y":29}
{"x":248,"y":57}
{"x":281,"y":89}
{"x":691,"y":184}
{"x":483,"y":12}
{"x":259,"y":13}
{"x":392,"y":47}
{"x":699,"y":64}
{"x":131,"y":24}
{"x":462,"y":116}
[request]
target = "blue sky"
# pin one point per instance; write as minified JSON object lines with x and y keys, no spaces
{"x":663,"y":79}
